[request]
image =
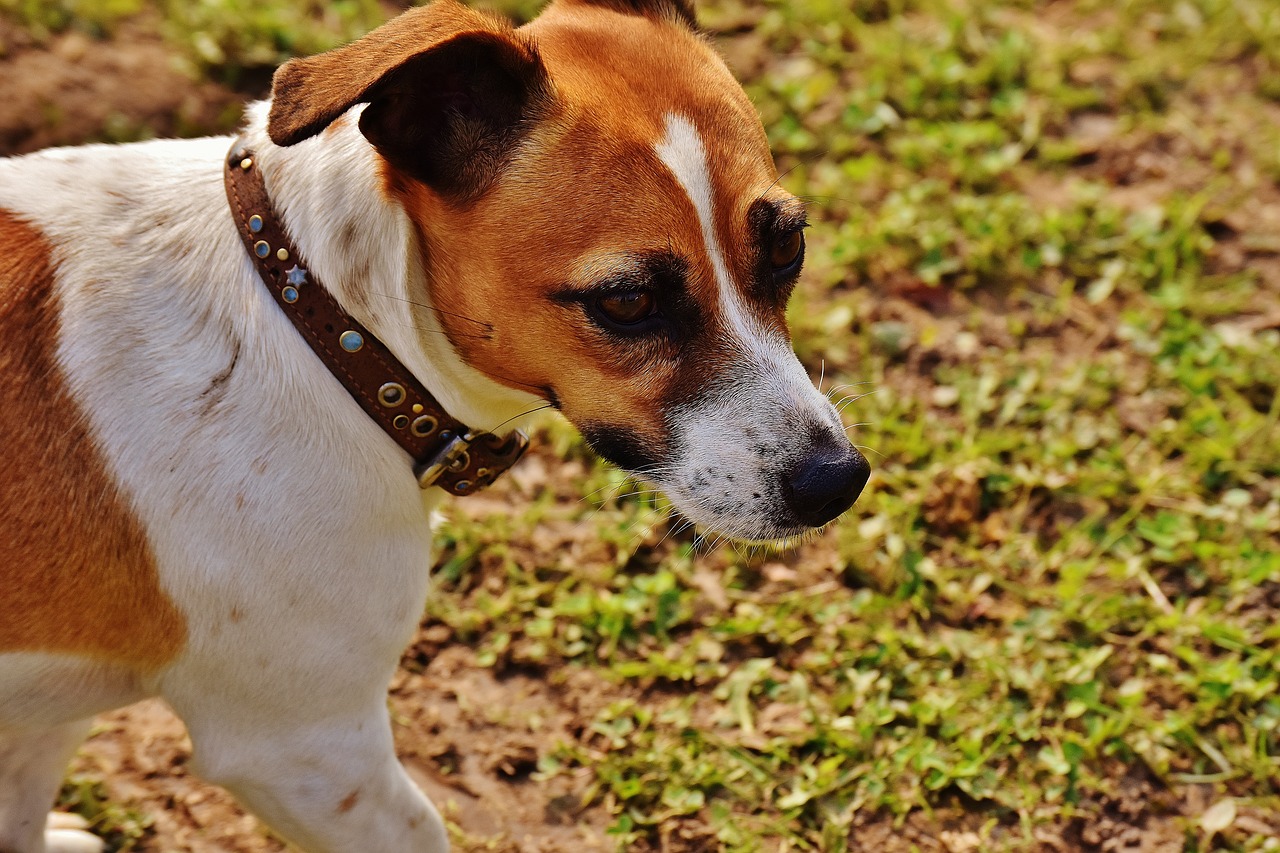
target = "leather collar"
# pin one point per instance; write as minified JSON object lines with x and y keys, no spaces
{"x":446,"y":452}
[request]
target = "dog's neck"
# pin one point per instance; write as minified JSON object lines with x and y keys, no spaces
{"x":360,"y":244}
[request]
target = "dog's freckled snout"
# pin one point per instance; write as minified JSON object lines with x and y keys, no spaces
{"x":825,"y":484}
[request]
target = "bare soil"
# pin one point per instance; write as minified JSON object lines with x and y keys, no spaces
{"x":74,"y":88}
{"x":469,"y":739}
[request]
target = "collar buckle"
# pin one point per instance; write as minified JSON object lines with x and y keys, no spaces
{"x":452,"y":457}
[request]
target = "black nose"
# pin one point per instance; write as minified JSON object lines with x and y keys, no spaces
{"x":825,"y":484}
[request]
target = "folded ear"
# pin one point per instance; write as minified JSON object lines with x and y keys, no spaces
{"x":450,"y":91}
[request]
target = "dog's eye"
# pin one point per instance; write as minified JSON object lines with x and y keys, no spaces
{"x":786,"y":251}
{"x":628,"y":308}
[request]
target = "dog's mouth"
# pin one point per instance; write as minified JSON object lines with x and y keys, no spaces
{"x":747,"y":491}
{"x":771,"y":505}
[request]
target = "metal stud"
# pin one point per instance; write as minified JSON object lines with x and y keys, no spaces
{"x":261,"y":249}
{"x":351,"y":340}
{"x":417,"y":408}
{"x":391,"y":394}
{"x":400,"y":421}
{"x":282,"y":254}
{"x":481,"y":473}
{"x":255,"y":223}
{"x":424,"y":426}
{"x":289,"y":294}
{"x":246,"y":163}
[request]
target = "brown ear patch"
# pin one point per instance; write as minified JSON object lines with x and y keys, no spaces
{"x":450,"y":117}
{"x":309,"y":93}
{"x":78,"y":574}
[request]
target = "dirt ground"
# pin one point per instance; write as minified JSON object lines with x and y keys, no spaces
{"x":471,"y":741}
{"x":75,"y":88}
{"x":469,"y":736}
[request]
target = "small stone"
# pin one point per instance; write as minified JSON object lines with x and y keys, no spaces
{"x":945,"y":396}
{"x":72,"y":841}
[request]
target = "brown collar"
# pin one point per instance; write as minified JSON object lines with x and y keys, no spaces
{"x":446,"y":452}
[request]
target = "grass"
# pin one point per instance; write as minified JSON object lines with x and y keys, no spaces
{"x":121,"y":827}
{"x":1040,"y":245}
{"x":1065,"y":572}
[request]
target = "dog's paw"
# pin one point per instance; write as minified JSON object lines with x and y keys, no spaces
{"x":65,"y":833}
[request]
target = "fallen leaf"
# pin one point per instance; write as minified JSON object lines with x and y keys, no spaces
{"x":1218,"y":817}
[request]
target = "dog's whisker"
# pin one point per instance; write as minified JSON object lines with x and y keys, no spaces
{"x":676,"y":529}
{"x":849,"y":401}
{"x":824,"y":199}
{"x":803,"y":160}
{"x":502,"y":378}
{"x":617,"y":489}
{"x":854,"y":384}
{"x":427,"y":306}
{"x":524,"y":414}
{"x":479,"y":336}
{"x":591,"y":494}
{"x":836,"y":389}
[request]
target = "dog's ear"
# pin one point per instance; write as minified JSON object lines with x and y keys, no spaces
{"x":677,"y":10}
{"x":449,"y":91}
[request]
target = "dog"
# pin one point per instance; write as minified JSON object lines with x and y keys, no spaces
{"x":236,"y":377}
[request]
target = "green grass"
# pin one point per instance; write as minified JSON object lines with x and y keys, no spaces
{"x":1065,"y":570}
{"x":1064,"y":574}
{"x":122,"y":828}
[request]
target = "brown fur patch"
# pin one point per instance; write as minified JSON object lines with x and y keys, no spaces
{"x":349,"y":802}
{"x":79,"y":577}
{"x":586,"y":187}
{"x":676,"y":10}
{"x":309,"y":93}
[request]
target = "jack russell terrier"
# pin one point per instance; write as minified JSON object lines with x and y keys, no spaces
{"x":237,"y":375}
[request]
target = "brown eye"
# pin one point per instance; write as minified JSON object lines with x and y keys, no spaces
{"x":627,"y":309}
{"x":786,"y":250}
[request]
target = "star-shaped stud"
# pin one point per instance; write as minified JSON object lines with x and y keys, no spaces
{"x":297,"y":276}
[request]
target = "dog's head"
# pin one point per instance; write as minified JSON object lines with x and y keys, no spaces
{"x":598,"y":188}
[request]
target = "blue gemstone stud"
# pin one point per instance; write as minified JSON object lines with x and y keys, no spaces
{"x":351,"y":341}
{"x":255,"y":223}
{"x":289,"y":294}
{"x":297,"y":275}
{"x":261,"y":249}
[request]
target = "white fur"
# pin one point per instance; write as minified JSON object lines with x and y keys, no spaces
{"x":273,"y":496}
{"x":31,"y":767}
{"x":682,"y":151}
{"x":738,"y":441}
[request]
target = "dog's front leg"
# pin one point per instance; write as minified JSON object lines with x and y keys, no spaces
{"x":330,"y":785}
{"x":32,"y":764}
